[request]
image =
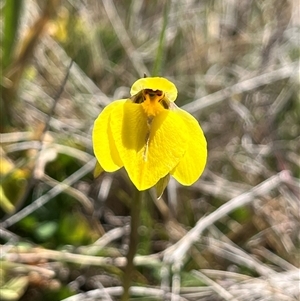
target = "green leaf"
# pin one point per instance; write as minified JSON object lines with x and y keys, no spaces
{"x":11,"y":13}
{"x":5,"y":203}
{"x":46,"y":230}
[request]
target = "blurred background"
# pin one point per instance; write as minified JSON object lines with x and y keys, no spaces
{"x":236,"y":67}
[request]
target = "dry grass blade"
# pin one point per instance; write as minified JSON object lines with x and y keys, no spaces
{"x":122,"y":34}
{"x":215,"y":286}
{"x":244,"y":86}
{"x":238,"y":256}
{"x":178,"y":251}
{"x":49,"y":195}
{"x":117,"y":291}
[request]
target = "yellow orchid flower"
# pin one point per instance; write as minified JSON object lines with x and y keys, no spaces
{"x":150,"y":136}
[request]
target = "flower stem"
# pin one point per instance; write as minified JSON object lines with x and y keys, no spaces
{"x":134,"y":224}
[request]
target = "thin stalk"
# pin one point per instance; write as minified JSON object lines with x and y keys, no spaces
{"x":159,"y":60}
{"x":134,"y":239}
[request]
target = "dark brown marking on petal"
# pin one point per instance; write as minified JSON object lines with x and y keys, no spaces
{"x":138,"y":98}
{"x":164,"y":103}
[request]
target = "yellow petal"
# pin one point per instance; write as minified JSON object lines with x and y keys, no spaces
{"x":98,"y":170}
{"x":161,"y":185}
{"x":149,"y":151}
{"x":104,"y":146}
{"x":193,"y":162}
{"x":155,"y":83}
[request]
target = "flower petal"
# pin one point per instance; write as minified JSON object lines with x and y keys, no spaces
{"x":104,"y":146}
{"x":161,"y":185}
{"x":193,"y":162}
{"x":155,"y":83}
{"x":148,"y":149}
{"x":98,"y":170}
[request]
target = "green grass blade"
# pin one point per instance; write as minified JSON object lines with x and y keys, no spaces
{"x":11,"y":12}
{"x":159,"y":60}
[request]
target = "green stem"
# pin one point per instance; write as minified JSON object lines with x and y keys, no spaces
{"x":159,"y":60}
{"x":134,"y":239}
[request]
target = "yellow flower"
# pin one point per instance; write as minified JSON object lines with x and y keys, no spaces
{"x":150,"y":136}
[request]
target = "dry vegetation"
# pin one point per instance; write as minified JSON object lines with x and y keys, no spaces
{"x":233,"y":235}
